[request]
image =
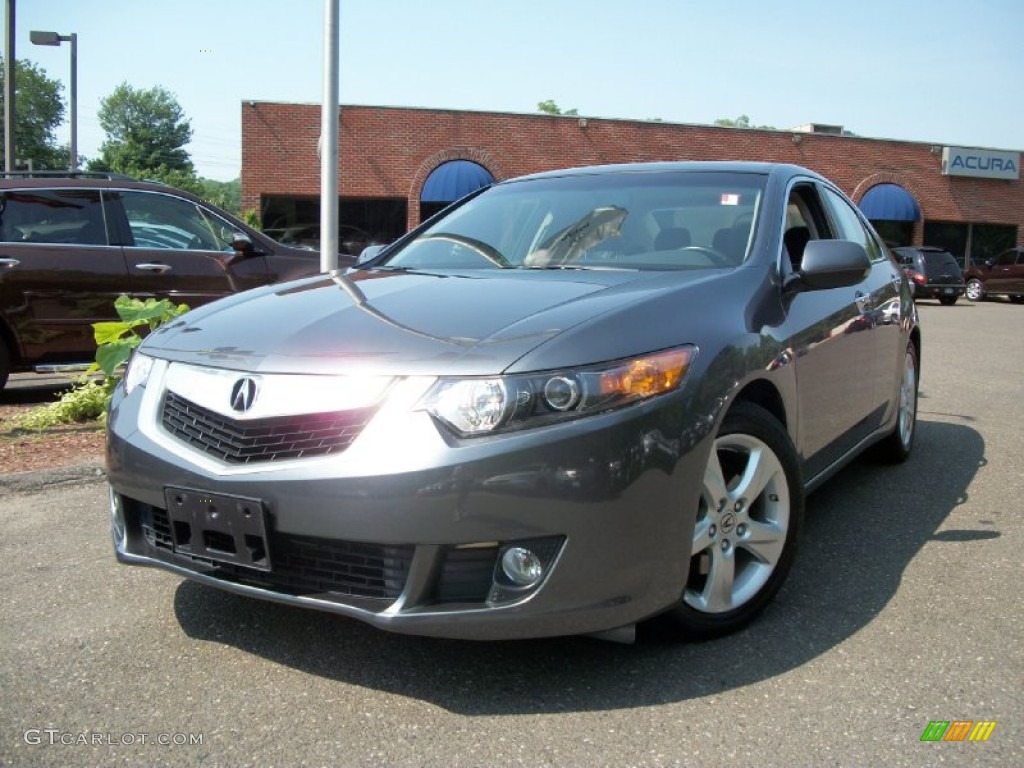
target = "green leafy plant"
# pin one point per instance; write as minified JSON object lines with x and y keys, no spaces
{"x":89,"y":398}
{"x":86,"y":401}
{"x":116,"y":340}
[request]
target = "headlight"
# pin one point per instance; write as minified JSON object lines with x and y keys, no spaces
{"x":480,"y":406}
{"x":138,"y":371}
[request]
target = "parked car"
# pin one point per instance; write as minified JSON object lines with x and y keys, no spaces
{"x":557,"y":409}
{"x":70,"y":244}
{"x":934,"y":273}
{"x":1001,"y":276}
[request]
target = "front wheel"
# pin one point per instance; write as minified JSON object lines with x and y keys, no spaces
{"x":749,"y":516}
{"x":975,"y":291}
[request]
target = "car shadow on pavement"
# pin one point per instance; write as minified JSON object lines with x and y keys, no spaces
{"x":862,"y":530}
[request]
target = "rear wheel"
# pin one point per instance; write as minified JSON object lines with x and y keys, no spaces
{"x":975,"y":291}
{"x":748,"y":519}
{"x":947,"y":300}
{"x":1018,"y":299}
{"x":896,"y":447}
{"x":5,"y":365}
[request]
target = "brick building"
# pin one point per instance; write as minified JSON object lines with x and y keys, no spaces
{"x":397,"y":165}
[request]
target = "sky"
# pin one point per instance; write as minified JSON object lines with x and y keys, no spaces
{"x":947,"y":72}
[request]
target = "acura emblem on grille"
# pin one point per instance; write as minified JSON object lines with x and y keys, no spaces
{"x":243,"y":394}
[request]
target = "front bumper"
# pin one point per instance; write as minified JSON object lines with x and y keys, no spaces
{"x":407,"y":533}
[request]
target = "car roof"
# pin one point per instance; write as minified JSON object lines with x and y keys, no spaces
{"x":87,"y":181}
{"x":705,"y":166}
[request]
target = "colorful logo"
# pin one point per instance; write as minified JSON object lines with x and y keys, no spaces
{"x":958,"y":730}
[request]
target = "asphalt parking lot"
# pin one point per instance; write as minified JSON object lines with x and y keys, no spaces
{"x":904,"y":607}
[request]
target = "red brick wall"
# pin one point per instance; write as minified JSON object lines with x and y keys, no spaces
{"x":389,"y":152}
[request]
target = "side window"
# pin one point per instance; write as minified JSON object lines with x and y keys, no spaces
{"x":163,"y":221}
{"x":1006,"y":258}
{"x":64,"y":216}
{"x":849,"y":225}
{"x":804,"y":222}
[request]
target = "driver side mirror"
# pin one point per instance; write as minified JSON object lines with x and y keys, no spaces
{"x":242,"y":247}
{"x":242,"y":244}
{"x":833,"y":264}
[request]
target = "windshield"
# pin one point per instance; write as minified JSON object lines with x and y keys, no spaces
{"x":618,"y":220}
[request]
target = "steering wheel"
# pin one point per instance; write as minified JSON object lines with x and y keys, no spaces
{"x":717,"y":259}
{"x":489,"y":252}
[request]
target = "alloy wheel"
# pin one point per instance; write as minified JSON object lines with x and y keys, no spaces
{"x":908,"y":399}
{"x":742,"y":524}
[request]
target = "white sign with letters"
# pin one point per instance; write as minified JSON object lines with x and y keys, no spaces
{"x":980,"y":163}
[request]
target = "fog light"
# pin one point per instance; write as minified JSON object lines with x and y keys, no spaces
{"x":118,"y":527}
{"x":522,"y":566}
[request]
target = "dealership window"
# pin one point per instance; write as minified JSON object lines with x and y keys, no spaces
{"x":296,"y":220}
{"x":970,"y":243}
{"x":894,"y":233}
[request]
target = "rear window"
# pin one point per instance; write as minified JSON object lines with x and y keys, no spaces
{"x":64,"y":216}
{"x":935,"y":261}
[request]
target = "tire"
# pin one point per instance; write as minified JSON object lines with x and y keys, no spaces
{"x":5,"y":365}
{"x":1018,"y":299}
{"x":947,"y":301}
{"x":975,"y":290}
{"x":896,"y":448}
{"x":741,"y":551}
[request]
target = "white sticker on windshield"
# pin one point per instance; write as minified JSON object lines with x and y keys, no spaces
{"x":728,"y":199}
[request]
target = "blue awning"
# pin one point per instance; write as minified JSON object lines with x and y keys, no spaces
{"x":890,"y":202}
{"x":454,"y":179}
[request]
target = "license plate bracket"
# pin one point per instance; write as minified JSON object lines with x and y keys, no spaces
{"x":948,"y":291}
{"x":227,"y":529}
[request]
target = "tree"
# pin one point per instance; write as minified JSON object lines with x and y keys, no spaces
{"x":225,"y":194}
{"x":146,"y":134}
{"x":39,"y":109}
{"x":741,"y":122}
{"x":550,"y":108}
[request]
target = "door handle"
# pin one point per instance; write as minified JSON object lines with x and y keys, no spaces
{"x":152,"y":267}
{"x":8,"y":263}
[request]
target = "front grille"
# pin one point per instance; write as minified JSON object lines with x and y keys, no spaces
{"x":256,"y":440}
{"x":303,"y":565}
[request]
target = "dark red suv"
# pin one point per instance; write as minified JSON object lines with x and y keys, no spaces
{"x":1001,"y":276}
{"x":70,"y":244}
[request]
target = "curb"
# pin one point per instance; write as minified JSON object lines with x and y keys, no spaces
{"x":57,"y":477}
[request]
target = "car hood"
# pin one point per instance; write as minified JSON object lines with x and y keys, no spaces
{"x":403,"y":323}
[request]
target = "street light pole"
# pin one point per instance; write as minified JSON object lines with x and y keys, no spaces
{"x":9,"y":114}
{"x":52,"y":38}
{"x":74,"y":101}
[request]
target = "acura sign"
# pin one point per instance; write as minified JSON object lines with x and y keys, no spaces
{"x":980,"y":163}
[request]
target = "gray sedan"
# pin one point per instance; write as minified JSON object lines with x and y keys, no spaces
{"x":569,"y":403}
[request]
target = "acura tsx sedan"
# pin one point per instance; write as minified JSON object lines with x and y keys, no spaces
{"x":569,"y":403}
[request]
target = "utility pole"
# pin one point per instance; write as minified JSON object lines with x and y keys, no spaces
{"x":9,"y":59}
{"x":329,"y":119}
